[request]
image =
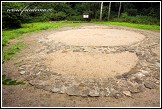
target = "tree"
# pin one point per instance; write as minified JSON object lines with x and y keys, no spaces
{"x":109,"y":11}
{"x":119,"y":10}
{"x":11,"y":17}
{"x":101,"y":11}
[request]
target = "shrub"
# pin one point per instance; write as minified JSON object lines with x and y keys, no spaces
{"x":11,"y":20}
{"x":58,"y":16}
{"x":132,"y":12}
{"x":75,"y":18}
{"x":137,"y":19}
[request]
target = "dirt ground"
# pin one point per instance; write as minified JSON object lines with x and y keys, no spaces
{"x":88,"y":65}
{"x":30,"y":96}
{"x":97,"y":36}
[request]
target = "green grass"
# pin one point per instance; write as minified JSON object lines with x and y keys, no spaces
{"x":148,"y":20}
{"x":9,"y":50}
{"x":6,"y":81}
{"x":31,"y":27}
{"x":139,"y":26}
{"x":7,"y":53}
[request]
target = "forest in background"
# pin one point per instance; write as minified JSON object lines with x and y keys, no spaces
{"x":132,"y":12}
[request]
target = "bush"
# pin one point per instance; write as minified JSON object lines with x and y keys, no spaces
{"x":124,"y":15}
{"x":132,"y":12}
{"x":75,"y":18}
{"x":137,"y":19}
{"x":58,"y":16}
{"x":11,"y":20}
{"x":94,"y":20}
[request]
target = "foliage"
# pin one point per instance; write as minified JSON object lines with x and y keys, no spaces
{"x":58,"y":16}
{"x":30,"y":27}
{"x":137,"y":19}
{"x":10,"y":19}
{"x":6,"y":81}
{"x":140,"y":26}
{"x":73,"y":11}
{"x":75,"y":18}
{"x":132,"y":12}
{"x":9,"y":50}
{"x":7,"y":53}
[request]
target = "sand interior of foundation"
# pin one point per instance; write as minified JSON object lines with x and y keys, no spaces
{"x":91,"y":65}
{"x":97,"y":37}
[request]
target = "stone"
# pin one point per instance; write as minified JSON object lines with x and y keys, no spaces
{"x":107,"y":93}
{"x":157,"y":82}
{"x":20,"y":68}
{"x":144,"y":72}
{"x":94,"y":92}
{"x":77,"y":50}
{"x":106,"y":51}
{"x":127,"y":93}
{"x":141,"y":74}
{"x":117,"y":95}
{"x":85,"y":92}
{"x":37,"y":83}
{"x":138,"y":80}
{"x":22,"y":72}
{"x":63,"y":89}
{"x":157,"y":64}
{"x":119,"y":76}
{"x":102,"y":92}
{"x":134,"y":89}
{"x":149,"y":85}
{"x":55,"y":89}
{"x":73,"y":90}
{"x":141,"y":88}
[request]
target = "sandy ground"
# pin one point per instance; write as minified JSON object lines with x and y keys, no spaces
{"x":29,"y":96}
{"x":91,"y":65}
{"x":93,"y":36}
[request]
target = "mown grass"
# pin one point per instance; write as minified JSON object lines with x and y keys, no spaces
{"x":9,"y":50}
{"x":139,"y":26}
{"x":31,"y":27}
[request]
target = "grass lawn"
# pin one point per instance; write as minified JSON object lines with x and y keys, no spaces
{"x":139,"y":26}
{"x":31,"y":27}
{"x":9,"y":50}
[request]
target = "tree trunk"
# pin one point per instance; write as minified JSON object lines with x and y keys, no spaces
{"x":101,"y":11}
{"x":109,"y":11}
{"x":119,"y":10}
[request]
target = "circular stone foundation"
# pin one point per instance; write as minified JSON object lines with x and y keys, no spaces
{"x":90,"y":65}
{"x":67,"y":63}
{"x":97,"y":37}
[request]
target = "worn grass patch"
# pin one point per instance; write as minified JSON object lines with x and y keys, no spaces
{"x":7,"y":53}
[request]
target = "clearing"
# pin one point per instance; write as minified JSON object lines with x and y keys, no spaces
{"x":99,"y":65}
